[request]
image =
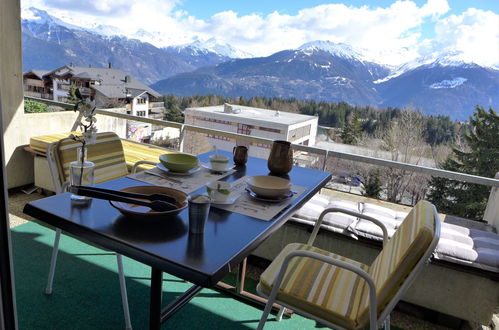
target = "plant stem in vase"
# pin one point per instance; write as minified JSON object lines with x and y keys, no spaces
{"x":81,"y":173}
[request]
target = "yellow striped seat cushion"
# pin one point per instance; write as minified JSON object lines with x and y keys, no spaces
{"x":135,"y":152}
{"x":107,"y":155}
{"x":399,"y":256}
{"x":41,"y":143}
{"x":315,"y":287}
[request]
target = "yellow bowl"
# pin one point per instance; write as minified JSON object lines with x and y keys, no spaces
{"x":268,"y":185}
{"x":179,"y":162}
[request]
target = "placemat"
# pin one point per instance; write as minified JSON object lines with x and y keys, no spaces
{"x":185,"y":183}
{"x":256,"y":208}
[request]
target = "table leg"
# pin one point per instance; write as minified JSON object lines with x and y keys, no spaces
{"x":156,"y":295}
{"x":241,"y":276}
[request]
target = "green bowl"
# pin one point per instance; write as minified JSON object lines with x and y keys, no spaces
{"x":179,"y":162}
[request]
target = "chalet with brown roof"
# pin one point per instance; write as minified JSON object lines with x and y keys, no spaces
{"x":109,"y":87}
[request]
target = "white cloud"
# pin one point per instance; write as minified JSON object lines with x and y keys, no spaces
{"x":393,"y":34}
{"x":474,"y":34}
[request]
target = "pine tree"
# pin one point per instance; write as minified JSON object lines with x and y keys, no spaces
{"x":373,"y":185}
{"x":352,"y":130}
{"x":482,"y":159}
{"x":173,"y":111}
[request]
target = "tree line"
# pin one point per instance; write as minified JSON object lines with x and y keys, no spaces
{"x":367,"y":119}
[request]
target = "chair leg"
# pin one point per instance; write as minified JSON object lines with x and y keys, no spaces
{"x":386,"y":324}
{"x":265,"y":314}
{"x":280,"y":314}
{"x":53,"y":261}
{"x":124,"y":297}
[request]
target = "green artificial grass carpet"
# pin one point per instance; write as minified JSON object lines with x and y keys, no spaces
{"x":86,"y":291}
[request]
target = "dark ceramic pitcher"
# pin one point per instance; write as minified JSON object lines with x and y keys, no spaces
{"x":280,"y":158}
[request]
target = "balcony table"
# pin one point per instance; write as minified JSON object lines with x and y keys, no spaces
{"x":167,"y":246}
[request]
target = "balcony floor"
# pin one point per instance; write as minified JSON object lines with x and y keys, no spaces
{"x":405,"y":317}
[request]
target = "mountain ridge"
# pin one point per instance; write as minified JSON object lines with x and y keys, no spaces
{"x":318,"y":70}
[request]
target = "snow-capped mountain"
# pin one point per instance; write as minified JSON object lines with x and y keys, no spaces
{"x":336,"y":72}
{"x":315,"y":71}
{"x":442,"y":83}
{"x":335,"y":49}
{"x":443,"y":87}
{"x":202,"y":53}
{"x":32,"y":18}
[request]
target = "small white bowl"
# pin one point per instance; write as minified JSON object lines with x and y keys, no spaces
{"x":268,"y":185}
{"x":219,"y":191}
{"x":219,"y":162}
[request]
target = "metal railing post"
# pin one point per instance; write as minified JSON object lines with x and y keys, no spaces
{"x":491,"y":215}
{"x":181,"y":139}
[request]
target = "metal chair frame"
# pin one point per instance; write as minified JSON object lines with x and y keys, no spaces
{"x":60,"y":186}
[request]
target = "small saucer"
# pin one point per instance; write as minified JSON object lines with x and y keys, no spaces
{"x":208,"y":166}
{"x":230,"y":200}
{"x":279,"y":199}
{"x":164,"y":169}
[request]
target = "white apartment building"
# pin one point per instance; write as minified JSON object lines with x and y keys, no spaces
{"x":270,"y":124}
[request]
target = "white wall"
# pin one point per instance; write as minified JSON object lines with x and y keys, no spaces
{"x":11,"y":89}
{"x":140,"y":107}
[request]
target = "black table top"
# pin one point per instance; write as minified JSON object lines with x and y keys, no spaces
{"x":167,"y":245}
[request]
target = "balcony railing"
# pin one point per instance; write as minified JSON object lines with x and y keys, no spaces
{"x":38,"y":95}
{"x":325,"y":154}
{"x":156,"y":104}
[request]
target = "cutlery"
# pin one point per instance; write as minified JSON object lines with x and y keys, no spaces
{"x":151,"y":197}
{"x":164,"y":177}
{"x":155,"y":205}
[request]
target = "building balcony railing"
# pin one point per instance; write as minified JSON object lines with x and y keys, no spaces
{"x":34,"y":82}
{"x":38,"y":95}
{"x":156,"y":104}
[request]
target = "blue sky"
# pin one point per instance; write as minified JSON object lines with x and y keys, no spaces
{"x":388,"y":31}
{"x":205,"y":9}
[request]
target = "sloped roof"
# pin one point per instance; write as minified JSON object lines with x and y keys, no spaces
{"x":38,"y":73}
{"x":112,"y":81}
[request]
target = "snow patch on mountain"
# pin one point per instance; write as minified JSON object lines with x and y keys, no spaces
{"x":213,"y":45}
{"x":449,"y":58}
{"x":34,"y":16}
{"x":449,"y":83}
{"x":337,"y":49}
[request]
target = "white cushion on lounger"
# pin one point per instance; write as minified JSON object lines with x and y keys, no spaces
{"x":458,"y":244}
{"x":379,"y":210}
{"x":472,"y":247}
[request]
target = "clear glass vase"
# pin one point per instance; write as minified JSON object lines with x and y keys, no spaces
{"x":81,"y":173}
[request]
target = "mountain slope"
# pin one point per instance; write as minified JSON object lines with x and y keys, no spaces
{"x":48,"y":44}
{"x":439,"y":89}
{"x":310,"y":72}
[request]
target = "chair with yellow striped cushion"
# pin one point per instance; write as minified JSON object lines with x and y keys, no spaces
{"x":340,"y":292}
{"x":107,"y":155}
{"x":109,"y":159}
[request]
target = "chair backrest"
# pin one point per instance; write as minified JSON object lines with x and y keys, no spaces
{"x":107,"y":155}
{"x":401,"y":259}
